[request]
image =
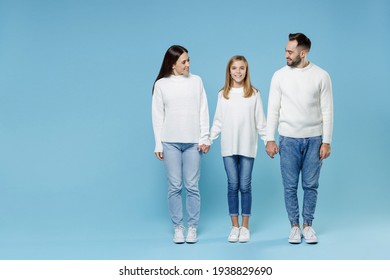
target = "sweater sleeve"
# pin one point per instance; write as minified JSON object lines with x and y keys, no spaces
{"x":261,"y":123}
{"x":157,"y":117}
{"x":217,"y":122}
{"x":327,"y":109}
{"x":274,"y":101}
{"x":204,"y":118}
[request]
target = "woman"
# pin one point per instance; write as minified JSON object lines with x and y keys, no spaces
{"x":239,"y":118}
{"x":181,"y":130}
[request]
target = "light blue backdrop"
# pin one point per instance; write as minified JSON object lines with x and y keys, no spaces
{"x":78,"y":177}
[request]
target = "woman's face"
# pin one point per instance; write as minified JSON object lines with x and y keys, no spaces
{"x":182,"y":65}
{"x":238,"y":72}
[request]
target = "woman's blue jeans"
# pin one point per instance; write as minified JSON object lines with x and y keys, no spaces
{"x":182,"y":165}
{"x":300,"y":156}
{"x":239,"y":174}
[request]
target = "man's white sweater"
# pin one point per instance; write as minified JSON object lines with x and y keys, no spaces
{"x":300,"y":103}
{"x":239,"y":120}
{"x":180,"y":111}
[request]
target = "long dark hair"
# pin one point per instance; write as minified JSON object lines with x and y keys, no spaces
{"x":170,"y":58}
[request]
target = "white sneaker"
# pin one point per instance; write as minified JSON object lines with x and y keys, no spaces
{"x":310,"y":235}
{"x":295,"y":235}
{"x":244,"y":235}
{"x":191,"y":235}
{"x":234,"y":233}
{"x":178,"y":237}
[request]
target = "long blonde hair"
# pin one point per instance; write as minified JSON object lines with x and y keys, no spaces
{"x":248,"y":88}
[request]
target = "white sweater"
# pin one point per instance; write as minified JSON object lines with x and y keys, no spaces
{"x":180,"y":111}
{"x":300,"y":103}
{"x":239,"y":120}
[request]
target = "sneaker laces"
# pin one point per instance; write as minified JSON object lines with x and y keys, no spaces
{"x":244,"y":232}
{"x":309,"y":232}
{"x":179,"y":230}
{"x":234,"y":231}
{"x":191,"y":231}
{"x":295,"y":233}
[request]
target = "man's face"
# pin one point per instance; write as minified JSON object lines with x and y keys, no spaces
{"x":293,"y":54}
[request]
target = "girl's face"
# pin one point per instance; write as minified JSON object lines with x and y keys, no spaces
{"x":182,"y":65}
{"x":238,"y":73}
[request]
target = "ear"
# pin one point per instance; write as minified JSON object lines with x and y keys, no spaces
{"x":303,"y":52}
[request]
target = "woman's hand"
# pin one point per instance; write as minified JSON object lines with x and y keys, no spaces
{"x":159,"y":155}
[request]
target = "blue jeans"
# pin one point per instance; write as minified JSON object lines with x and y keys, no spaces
{"x":182,"y":165}
{"x":239,"y":174}
{"x":300,"y":156}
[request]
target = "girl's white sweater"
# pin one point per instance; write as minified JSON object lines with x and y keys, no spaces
{"x":239,"y":120}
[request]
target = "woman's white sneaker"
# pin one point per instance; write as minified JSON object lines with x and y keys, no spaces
{"x":192,"y":236}
{"x":178,"y":236}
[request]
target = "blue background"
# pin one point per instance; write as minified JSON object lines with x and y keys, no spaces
{"x":78,"y":176}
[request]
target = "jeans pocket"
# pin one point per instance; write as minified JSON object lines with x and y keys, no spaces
{"x":282,"y":140}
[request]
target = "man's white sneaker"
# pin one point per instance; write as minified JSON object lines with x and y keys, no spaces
{"x":244,"y":235}
{"x":234,"y":233}
{"x":191,"y":235}
{"x":178,"y":237}
{"x":295,"y":235}
{"x":309,"y":235}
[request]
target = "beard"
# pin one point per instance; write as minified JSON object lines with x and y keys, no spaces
{"x":294,"y":62}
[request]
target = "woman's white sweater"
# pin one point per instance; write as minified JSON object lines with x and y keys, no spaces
{"x":180,"y":111}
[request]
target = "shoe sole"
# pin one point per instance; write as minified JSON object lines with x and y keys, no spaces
{"x":192,"y":241}
{"x":311,"y":241}
{"x":243,"y":241}
{"x":294,"y":241}
{"x":178,"y":241}
{"x":233,"y":240}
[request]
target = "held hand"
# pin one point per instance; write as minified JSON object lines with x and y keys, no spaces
{"x":159,"y":155}
{"x":271,"y":148}
{"x":324,"y":151}
{"x":204,"y":148}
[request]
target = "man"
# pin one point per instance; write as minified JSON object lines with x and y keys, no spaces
{"x":300,"y":105}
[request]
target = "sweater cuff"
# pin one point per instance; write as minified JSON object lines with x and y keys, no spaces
{"x":205,"y":142}
{"x":158,"y":147}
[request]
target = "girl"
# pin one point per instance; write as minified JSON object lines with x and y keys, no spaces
{"x":239,"y":118}
{"x":181,"y":129}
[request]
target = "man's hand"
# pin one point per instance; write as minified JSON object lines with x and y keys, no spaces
{"x":271,"y":148}
{"x":324,"y":151}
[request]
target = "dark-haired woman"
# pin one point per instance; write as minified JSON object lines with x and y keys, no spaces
{"x":181,"y":130}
